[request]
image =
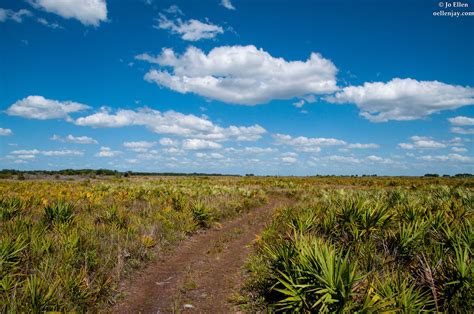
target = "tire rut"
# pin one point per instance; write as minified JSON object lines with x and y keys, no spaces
{"x":202,"y":273}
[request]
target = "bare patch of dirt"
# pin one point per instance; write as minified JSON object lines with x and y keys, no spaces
{"x":202,"y":273}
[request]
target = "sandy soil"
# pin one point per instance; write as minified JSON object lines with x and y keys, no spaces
{"x":203,"y":274}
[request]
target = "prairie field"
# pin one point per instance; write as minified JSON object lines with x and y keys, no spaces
{"x":331,"y":244}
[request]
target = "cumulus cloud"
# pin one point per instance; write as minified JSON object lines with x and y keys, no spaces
{"x":464,"y":131}
{"x":16,"y":16}
{"x":74,"y":139}
{"x":306,"y":144}
{"x":459,"y":149}
{"x":139,"y":146}
{"x":461,"y":120}
{"x":31,"y":153}
{"x":343,"y":159}
{"x":38,"y":107}
{"x":227,"y":4}
{"x":171,"y":123}
{"x":191,"y":30}
{"x":199,"y":144}
{"x":5,"y":132}
{"x":107,"y":152}
{"x":422,"y":142}
{"x":241,"y":75}
{"x":362,"y":146}
{"x":289,"y":159}
{"x":449,"y":157}
{"x":403,"y":99}
{"x":88,"y":12}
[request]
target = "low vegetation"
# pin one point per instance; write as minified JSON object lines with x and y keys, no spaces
{"x":364,"y":244}
{"x":65,"y":246}
{"x":405,"y":250}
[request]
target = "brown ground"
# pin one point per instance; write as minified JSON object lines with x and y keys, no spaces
{"x":202,"y":274}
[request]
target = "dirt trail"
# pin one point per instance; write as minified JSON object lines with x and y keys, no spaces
{"x":202,"y":273}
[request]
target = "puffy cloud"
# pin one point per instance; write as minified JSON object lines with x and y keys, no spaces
{"x":62,"y":153}
{"x":88,"y":12}
{"x":5,"y":132}
{"x":362,"y":146}
{"x":422,"y":142}
{"x":139,"y":146}
{"x":289,"y":159}
{"x":191,"y":30}
{"x":461,"y":120}
{"x":464,"y":131}
{"x":31,"y":153}
{"x":343,"y":159}
{"x":107,"y":152}
{"x":241,"y":74}
{"x":459,"y":149}
{"x":16,"y":16}
{"x":306,"y":144}
{"x":199,"y":144}
{"x":379,"y":159}
{"x":166,"y":141}
{"x":174,"y":9}
{"x":449,"y":157}
{"x":74,"y":139}
{"x":172,"y":123}
{"x":38,"y":107}
{"x":227,"y":4}
{"x":48,"y":24}
{"x":403,"y":99}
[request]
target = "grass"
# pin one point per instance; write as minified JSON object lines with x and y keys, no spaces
{"x":65,"y":246}
{"x":347,"y":245}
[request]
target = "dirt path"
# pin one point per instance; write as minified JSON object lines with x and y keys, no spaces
{"x":202,"y":274}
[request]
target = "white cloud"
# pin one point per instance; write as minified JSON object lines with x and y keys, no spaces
{"x":48,"y":24}
{"x":16,"y":16}
{"x":62,"y":153}
{"x":5,"y":132}
{"x":299,"y":104}
{"x":459,"y":149}
{"x":362,"y":146}
{"x":199,"y":144}
{"x":174,"y":9}
{"x":88,"y":12}
{"x":464,"y":131}
{"x":38,"y":107}
{"x":461,"y":120}
{"x":343,"y":159}
{"x":289,"y":159}
{"x":227,"y":4}
{"x":166,"y":141}
{"x":210,"y":156}
{"x":74,"y":139}
{"x":379,"y":159}
{"x":403,"y":99}
{"x":34,"y":152}
{"x":449,"y":157}
{"x":422,"y":142}
{"x":107,"y":152}
{"x":241,"y":74}
{"x":172,"y":123}
{"x":139,"y":146}
{"x":306,"y":144}
{"x":191,"y":30}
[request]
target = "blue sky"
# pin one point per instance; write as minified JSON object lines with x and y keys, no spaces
{"x":239,"y":86}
